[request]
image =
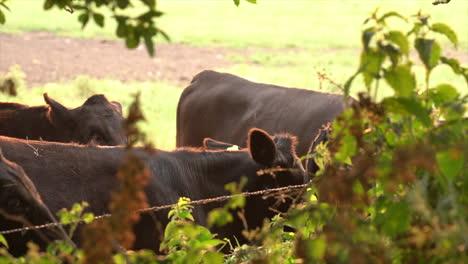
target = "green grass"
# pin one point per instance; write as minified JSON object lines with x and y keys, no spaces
{"x":270,"y":23}
{"x":158,"y":101}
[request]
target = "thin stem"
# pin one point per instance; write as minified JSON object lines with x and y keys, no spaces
{"x":376,"y":89}
{"x":428,"y":72}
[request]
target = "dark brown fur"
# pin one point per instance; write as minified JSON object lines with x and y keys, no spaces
{"x":65,"y":174}
{"x":20,"y":203}
{"x":224,"y":107}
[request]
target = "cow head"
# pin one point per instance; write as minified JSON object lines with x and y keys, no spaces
{"x":277,"y":155}
{"x":276,"y":165}
{"x":97,"y":120}
{"x":20,"y":205}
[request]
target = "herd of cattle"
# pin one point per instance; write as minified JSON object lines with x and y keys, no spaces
{"x":54,"y":156}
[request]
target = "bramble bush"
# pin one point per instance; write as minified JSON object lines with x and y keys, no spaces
{"x":392,"y":185}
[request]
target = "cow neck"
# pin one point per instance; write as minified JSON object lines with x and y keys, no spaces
{"x":212,"y":170}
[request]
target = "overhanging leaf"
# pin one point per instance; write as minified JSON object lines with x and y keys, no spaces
{"x":2,"y":17}
{"x":48,"y":4}
{"x":149,"y":44}
{"x":83,"y":18}
{"x":447,"y":31}
{"x":99,"y":19}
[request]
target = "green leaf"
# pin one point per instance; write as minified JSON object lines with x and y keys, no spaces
{"x":131,"y":39}
{"x":317,"y":248}
{"x":450,"y":162}
{"x":219,"y":217}
{"x":150,"y":3}
{"x":454,"y":64}
{"x":122,"y":4}
{"x":443,"y":93}
{"x":83,"y":18}
{"x":391,"y":51}
{"x":237,"y":2}
{"x":347,"y":149}
{"x":395,"y":219}
{"x":252,"y":1}
{"x":390,"y":14}
{"x":366,"y":37}
{"x":164,"y":34}
{"x":48,"y":4}
{"x":150,"y":14}
{"x":409,"y":106}
{"x":3,"y":241}
{"x":149,"y":44}
{"x":447,"y":31}
{"x":398,"y":38}
{"x":2,"y":17}
{"x":349,"y":82}
{"x":121,"y":30}
{"x":370,"y":65}
{"x":88,"y":218}
{"x":213,"y":257}
{"x":401,"y":79}
{"x":99,"y":19}
{"x":429,"y":52}
{"x":5,"y":6}
{"x":371,"y":62}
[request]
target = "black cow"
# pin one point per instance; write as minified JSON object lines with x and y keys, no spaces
{"x":97,"y":120}
{"x":20,"y":204}
{"x":66,"y":173}
{"x":224,"y":107}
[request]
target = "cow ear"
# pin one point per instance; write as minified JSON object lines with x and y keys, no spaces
{"x":261,"y":147}
{"x":58,"y":112}
{"x":211,"y":144}
{"x":117,"y":105}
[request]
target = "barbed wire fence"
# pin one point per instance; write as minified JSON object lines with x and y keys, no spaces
{"x":168,"y":206}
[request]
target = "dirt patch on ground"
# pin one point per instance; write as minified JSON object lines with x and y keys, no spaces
{"x":45,"y":57}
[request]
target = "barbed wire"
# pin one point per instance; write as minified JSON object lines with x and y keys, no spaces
{"x":162,"y":207}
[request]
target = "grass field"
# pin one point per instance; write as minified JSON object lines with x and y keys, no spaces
{"x":290,"y":41}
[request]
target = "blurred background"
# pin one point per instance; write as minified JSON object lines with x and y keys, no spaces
{"x":294,"y":43}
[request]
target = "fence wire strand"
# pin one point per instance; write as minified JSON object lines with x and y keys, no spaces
{"x":162,"y":207}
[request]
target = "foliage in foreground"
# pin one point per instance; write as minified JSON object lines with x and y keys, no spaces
{"x":393,"y":184}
